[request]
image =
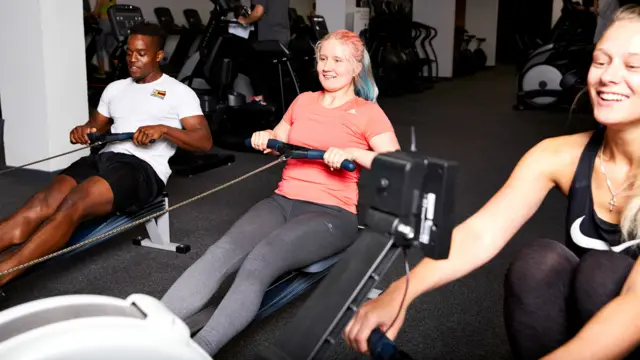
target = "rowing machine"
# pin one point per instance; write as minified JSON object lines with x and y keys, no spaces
{"x":411,"y":205}
{"x":105,"y":227}
{"x":75,"y":327}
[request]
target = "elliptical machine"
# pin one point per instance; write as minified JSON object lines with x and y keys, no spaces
{"x":201,"y":72}
{"x":555,"y":73}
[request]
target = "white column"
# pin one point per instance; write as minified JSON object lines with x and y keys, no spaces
{"x":481,"y":19}
{"x":343,"y":14}
{"x":303,"y":7}
{"x":439,"y":14}
{"x":334,"y":12}
{"x":42,"y":79}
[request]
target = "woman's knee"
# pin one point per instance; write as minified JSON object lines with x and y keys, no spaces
{"x":541,"y":264}
{"x":599,"y":278}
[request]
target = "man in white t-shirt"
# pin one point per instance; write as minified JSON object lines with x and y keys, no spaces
{"x":125,"y":176}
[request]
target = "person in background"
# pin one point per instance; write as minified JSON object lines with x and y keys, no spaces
{"x":271,"y":20}
{"x":313,"y":10}
{"x":100,"y":13}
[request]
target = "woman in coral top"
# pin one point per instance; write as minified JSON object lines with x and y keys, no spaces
{"x":312,"y":214}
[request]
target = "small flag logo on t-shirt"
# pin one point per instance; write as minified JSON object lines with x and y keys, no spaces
{"x":159,"y":93}
{"x":352,"y":111}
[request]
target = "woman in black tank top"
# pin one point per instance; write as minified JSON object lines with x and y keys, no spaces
{"x":563,"y":300}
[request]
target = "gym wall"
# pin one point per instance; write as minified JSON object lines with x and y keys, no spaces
{"x":303,"y":7}
{"x":334,"y":13}
{"x":43,"y":81}
{"x":441,"y":15}
{"x":481,"y":20}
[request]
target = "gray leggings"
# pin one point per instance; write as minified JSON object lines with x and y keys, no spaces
{"x":277,"y":235}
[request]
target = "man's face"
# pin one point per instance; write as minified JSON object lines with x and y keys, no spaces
{"x":143,"y":56}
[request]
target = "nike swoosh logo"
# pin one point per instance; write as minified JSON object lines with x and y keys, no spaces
{"x":596,"y":244}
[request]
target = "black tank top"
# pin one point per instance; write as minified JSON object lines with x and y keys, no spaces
{"x":585,"y":230}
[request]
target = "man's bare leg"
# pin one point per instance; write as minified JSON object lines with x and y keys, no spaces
{"x":19,"y":226}
{"x":90,"y":199}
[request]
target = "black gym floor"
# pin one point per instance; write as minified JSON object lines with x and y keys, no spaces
{"x":468,"y":120}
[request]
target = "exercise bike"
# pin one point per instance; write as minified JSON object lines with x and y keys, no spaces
{"x":479,"y":56}
{"x":554,"y":74}
{"x":464,"y":61}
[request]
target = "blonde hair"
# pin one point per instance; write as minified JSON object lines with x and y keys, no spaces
{"x":364,"y":82}
{"x":631,"y":213}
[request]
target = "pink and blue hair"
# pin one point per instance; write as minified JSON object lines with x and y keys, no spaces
{"x":364,"y":83}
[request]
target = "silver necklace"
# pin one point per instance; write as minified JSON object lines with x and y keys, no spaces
{"x":614,"y":195}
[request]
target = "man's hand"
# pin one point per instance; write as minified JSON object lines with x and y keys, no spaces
{"x":79,"y":134}
{"x":145,"y":134}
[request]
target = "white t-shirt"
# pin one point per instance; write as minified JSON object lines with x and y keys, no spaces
{"x":131,"y":105}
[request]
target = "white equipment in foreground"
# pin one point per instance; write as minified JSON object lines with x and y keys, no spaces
{"x":81,"y":327}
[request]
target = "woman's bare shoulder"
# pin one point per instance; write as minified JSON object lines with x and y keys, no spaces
{"x":561,"y":155}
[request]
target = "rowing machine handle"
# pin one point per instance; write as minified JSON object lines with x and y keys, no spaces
{"x":382,"y":348}
{"x":311,"y":154}
{"x":111,"y":137}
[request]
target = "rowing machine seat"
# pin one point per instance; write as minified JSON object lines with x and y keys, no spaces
{"x":321,"y":265}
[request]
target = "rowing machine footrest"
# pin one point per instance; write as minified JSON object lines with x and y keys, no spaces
{"x":177,"y":248}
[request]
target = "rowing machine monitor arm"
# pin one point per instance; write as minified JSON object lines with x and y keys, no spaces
{"x":409,"y":204}
{"x":411,"y":199}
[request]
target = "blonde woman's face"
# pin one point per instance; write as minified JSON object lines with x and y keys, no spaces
{"x":614,"y":76}
{"x":335,"y":66}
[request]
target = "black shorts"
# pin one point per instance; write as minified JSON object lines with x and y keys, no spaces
{"x":133,"y":181}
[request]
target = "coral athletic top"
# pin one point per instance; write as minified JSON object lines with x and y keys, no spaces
{"x":351,"y":125}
